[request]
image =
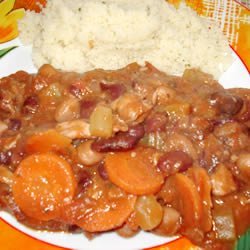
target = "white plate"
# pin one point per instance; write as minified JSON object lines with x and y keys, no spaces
{"x":20,"y":59}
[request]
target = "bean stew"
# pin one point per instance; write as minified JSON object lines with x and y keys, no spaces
{"x":126,"y":150}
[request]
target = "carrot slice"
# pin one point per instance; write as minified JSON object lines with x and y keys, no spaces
{"x":102,"y":207}
{"x":203,"y":185}
{"x":43,"y":184}
{"x":46,"y":141}
{"x":134,"y":172}
{"x":186,"y":199}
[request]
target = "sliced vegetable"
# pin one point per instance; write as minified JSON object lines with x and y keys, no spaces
{"x":134,"y":171}
{"x":102,"y":207}
{"x":47,"y":141}
{"x":224,"y":223}
{"x":43,"y":184}
{"x":170,"y":223}
{"x":101,"y":123}
{"x":203,"y":185}
{"x":148,"y":212}
{"x":186,"y":199}
{"x":222,"y":181}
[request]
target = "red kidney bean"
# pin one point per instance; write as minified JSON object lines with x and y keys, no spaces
{"x":122,"y":141}
{"x":113,"y":90}
{"x":102,"y":171}
{"x":226,"y":103}
{"x":87,"y":106}
{"x":156,"y":122}
{"x":173,"y":162}
{"x":244,"y":116}
{"x":84,"y":179}
{"x":5,"y":157}
{"x":14,"y":124}
{"x":75,"y":90}
{"x":31,"y":104}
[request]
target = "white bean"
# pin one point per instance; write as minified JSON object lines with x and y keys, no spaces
{"x":86,"y":155}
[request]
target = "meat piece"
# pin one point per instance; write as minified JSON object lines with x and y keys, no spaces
{"x":121,"y":141}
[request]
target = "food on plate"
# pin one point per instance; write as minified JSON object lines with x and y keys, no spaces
{"x":85,"y":35}
{"x":126,"y":150}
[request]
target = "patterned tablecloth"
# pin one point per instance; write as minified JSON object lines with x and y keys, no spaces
{"x":246,"y":2}
{"x":234,"y":20}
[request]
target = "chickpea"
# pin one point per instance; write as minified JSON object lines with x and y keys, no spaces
{"x":68,"y":110}
{"x":163,"y":95}
{"x":222,"y":181}
{"x":130,"y":107}
{"x":243,"y":163}
{"x":171,"y":222}
{"x":86,"y":155}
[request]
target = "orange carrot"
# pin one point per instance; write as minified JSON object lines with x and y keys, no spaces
{"x":186,"y":198}
{"x":46,"y":141}
{"x":107,"y":207}
{"x":203,"y":185}
{"x":35,"y":5}
{"x":134,"y":171}
{"x":43,"y":184}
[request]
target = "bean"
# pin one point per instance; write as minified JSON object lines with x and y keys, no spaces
{"x":180,"y":142}
{"x":222,"y":181}
{"x":87,"y":106}
{"x":86,"y":155}
{"x":30,"y":104}
{"x":163,"y":95}
{"x":5,"y":157}
{"x":130,"y":107}
{"x":113,"y":90}
{"x":170,"y":223}
{"x":173,"y":162}
{"x":243,"y":163}
{"x":15,"y":124}
{"x":68,"y":110}
{"x":102,"y":171}
{"x":84,"y":179}
{"x":226,"y":103}
{"x":121,"y":141}
{"x":76,"y":91}
{"x":156,"y":122}
{"x":48,"y":71}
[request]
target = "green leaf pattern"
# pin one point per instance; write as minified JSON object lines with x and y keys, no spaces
{"x":5,"y":51}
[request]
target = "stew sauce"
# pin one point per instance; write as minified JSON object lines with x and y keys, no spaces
{"x":127,"y":150}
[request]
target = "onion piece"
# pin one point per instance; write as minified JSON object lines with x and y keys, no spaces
{"x":101,"y":122}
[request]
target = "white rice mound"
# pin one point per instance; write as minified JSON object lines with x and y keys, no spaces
{"x":81,"y":35}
